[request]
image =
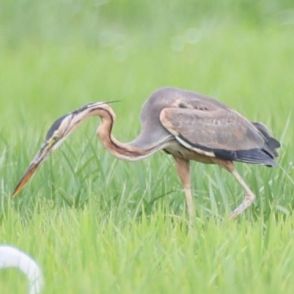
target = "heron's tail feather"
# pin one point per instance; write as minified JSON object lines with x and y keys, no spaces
{"x":255,"y":156}
{"x":265,"y":155}
{"x":271,"y":143}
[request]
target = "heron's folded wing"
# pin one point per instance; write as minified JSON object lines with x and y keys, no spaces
{"x":218,"y":131}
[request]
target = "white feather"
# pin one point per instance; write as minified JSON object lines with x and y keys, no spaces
{"x":198,"y":150}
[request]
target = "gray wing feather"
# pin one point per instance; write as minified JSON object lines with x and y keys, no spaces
{"x":212,"y":129}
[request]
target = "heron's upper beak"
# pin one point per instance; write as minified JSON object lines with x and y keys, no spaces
{"x":39,"y":158}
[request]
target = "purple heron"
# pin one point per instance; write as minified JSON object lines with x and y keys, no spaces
{"x":187,"y":125}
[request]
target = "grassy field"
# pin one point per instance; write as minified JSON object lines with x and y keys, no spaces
{"x":100,"y":225}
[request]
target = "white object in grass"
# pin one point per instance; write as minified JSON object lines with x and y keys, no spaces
{"x":13,"y":257}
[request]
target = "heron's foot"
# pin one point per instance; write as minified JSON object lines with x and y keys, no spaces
{"x":248,"y":200}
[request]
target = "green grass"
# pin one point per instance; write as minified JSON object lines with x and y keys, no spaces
{"x":99,"y":225}
{"x":92,"y":251}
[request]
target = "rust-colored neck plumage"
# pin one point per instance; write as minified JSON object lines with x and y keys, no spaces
{"x":118,"y":149}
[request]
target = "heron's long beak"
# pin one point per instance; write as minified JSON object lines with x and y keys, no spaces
{"x":57,"y":133}
{"x":39,"y":158}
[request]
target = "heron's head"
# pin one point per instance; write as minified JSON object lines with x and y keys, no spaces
{"x":56,"y":134}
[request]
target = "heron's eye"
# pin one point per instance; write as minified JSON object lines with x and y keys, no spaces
{"x":182,"y":105}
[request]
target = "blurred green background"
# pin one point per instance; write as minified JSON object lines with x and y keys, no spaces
{"x":56,"y":55}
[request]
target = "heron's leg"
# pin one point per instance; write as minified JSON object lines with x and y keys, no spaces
{"x":183,"y":169}
{"x":249,"y":195}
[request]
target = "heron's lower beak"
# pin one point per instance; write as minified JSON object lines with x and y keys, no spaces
{"x":39,"y":158}
{"x":28,"y":174}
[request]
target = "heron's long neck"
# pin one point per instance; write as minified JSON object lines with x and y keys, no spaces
{"x":118,"y":149}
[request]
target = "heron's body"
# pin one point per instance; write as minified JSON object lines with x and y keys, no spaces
{"x":202,"y":129}
{"x":188,"y":126}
